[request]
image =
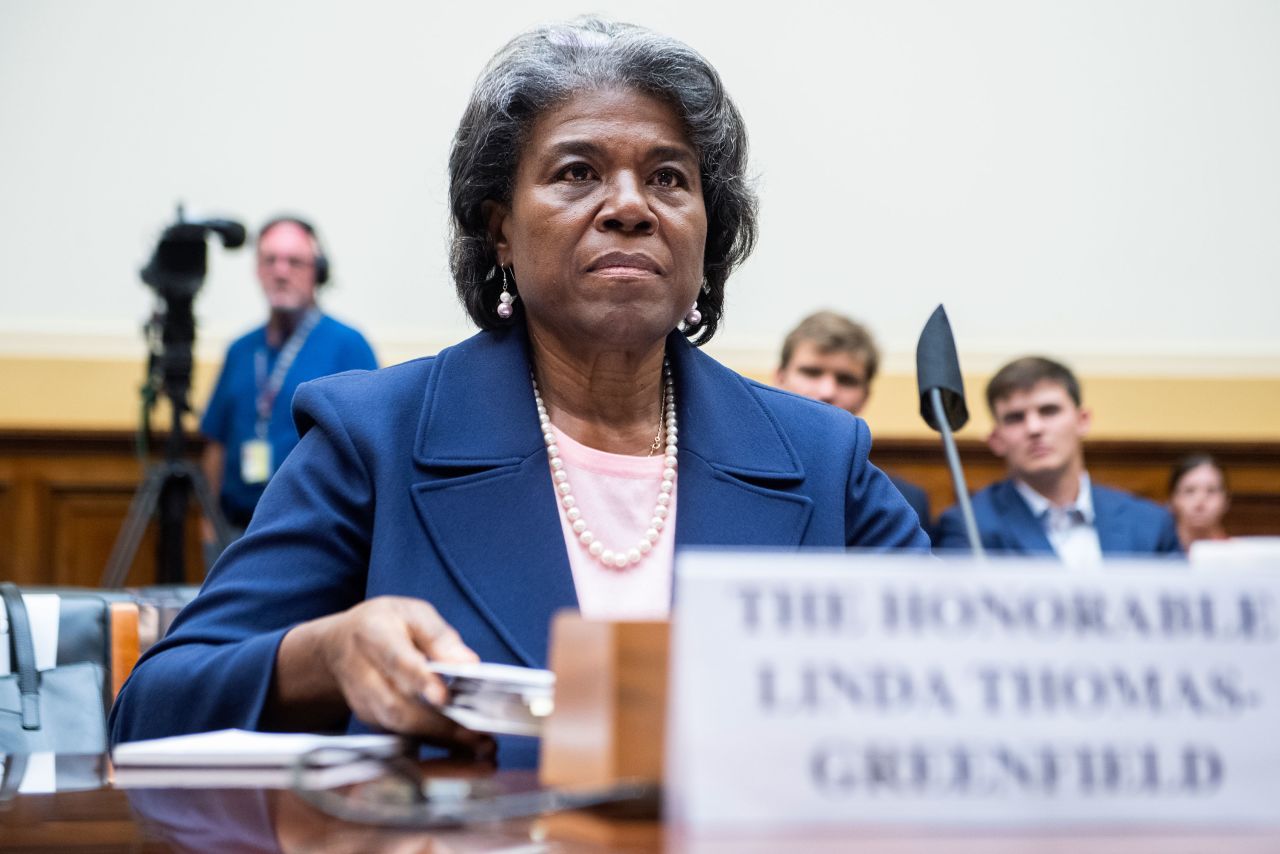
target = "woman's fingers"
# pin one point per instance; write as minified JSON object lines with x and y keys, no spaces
{"x":436,"y":638}
{"x":422,"y":635}
{"x":376,"y":699}
{"x":444,"y":647}
{"x":384,"y":674}
{"x":407,"y":668}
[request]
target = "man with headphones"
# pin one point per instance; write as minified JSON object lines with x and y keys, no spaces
{"x":247,"y":424}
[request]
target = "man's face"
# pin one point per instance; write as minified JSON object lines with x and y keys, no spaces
{"x":1038,"y":432}
{"x":835,"y":377}
{"x":287,"y":267}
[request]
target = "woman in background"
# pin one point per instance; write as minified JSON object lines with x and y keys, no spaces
{"x":1198,"y":498}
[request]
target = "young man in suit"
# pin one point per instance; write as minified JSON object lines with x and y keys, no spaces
{"x":830,"y":358}
{"x":1048,"y":504}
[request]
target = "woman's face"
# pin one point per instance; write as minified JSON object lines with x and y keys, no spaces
{"x":1200,"y":498}
{"x":606,"y":228}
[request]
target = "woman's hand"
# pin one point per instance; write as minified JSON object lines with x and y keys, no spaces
{"x":373,"y":659}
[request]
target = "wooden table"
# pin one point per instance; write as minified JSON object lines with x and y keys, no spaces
{"x":106,"y":818}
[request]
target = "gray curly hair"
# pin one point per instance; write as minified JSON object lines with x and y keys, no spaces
{"x":542,"y":68}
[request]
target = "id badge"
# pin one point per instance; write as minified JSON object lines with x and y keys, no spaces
{"x":255,"y":461}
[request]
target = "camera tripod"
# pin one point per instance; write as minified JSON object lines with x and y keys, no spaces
{"x":164,"y":494}
{"x":175,"y":272}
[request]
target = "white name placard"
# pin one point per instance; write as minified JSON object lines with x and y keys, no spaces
{"x":832,"y":689}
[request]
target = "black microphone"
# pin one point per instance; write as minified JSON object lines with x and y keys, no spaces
{"x":231,"y":232}
{"x":942,"y":405}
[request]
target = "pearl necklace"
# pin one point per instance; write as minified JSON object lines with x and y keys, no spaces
{"x":619,"y":559}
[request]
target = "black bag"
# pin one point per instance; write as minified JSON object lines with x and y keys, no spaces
{"x":58,"y":710}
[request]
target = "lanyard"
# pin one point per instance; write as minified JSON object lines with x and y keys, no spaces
{"x":269,"y":386}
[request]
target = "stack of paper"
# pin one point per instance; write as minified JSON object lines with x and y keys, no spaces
{"x":498,"y":698}
{"x":235,"y":758}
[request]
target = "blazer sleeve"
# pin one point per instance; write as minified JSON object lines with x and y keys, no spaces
{"x":877,"y":516}
{"x":304,"y":556}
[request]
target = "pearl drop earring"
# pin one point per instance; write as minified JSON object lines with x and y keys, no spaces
{"x":506,"y":300}
{"x":693,"y":317}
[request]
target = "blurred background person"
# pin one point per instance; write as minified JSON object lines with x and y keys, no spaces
{"x":1048,"y":504}
{"x":833,"y":358}
{"x":247,"y":425}
{"x":1199,"y":499}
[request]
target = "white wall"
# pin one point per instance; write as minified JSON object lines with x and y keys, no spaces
{"x":1099,"y":180}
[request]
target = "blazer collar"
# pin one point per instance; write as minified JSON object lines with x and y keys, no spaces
{"x":1039,"y":505}
{"x":478,"y":411}
{"x":477,"y":408}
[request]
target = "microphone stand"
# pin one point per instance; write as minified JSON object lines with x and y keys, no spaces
{"x":957,"y":475}
{"x":938,"y":372}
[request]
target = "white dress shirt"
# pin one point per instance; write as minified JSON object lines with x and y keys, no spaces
{"x":1070,"y":529}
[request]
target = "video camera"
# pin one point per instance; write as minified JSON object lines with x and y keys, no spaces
{"x":175,"y":272}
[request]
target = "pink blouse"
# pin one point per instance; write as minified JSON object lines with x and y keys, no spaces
{"x":616,"y":494}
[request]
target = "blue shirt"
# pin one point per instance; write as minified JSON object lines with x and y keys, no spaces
{"x":231,"y":416}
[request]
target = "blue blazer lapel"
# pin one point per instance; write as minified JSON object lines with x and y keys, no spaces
{"x":734,"y":461}
{"x":1024,"y":530}
{"x":509,"y":560}
{"x":485,"y":498}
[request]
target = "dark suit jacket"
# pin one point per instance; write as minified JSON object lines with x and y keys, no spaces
{"x":918,"y":499}
{"x":430,"y":479}
{"x":1126,"y":524}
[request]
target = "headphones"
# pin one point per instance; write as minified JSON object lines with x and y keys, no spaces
{"x":321,"y":260}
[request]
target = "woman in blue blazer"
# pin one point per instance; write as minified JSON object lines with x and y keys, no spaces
{"x":598,"y":189}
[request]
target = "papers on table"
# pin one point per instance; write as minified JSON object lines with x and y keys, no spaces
{"x":247,"y":778}
{"x":235,"y":758}
{"x":498,"y":698}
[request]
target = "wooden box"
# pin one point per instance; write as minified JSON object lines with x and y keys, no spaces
{"x":611,"y":701}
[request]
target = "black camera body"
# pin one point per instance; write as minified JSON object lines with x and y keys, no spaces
{"x":176,"y":271}
{"x":178,"y":266}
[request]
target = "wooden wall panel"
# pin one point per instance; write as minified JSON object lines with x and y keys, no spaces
{"x":83,"y":523}
{"x":64,"y":495}
{"x":8,"y":531}
{"x":1254,"y":515}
